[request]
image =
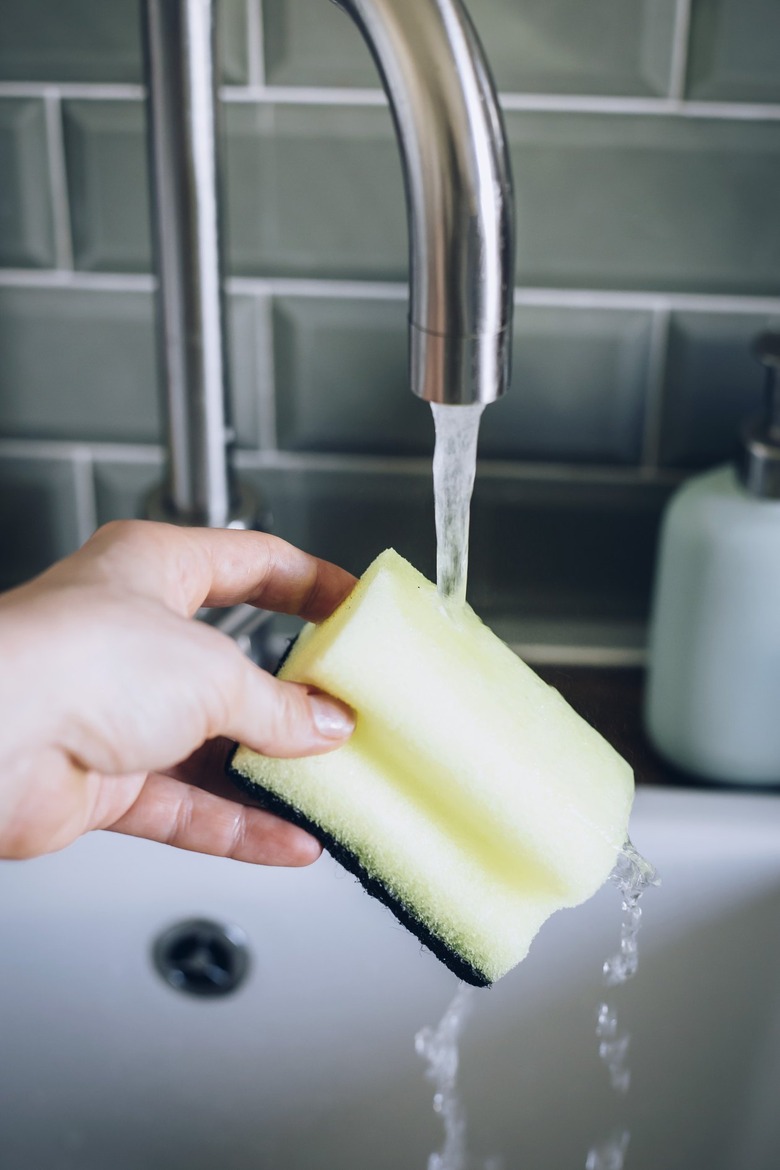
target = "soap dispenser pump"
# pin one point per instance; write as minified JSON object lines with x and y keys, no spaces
{"x":712,"y":703}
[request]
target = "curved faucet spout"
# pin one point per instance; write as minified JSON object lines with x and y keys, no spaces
{"x":458,"y":190}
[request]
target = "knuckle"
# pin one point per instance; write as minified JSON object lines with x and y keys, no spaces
{"x":118,"y":531}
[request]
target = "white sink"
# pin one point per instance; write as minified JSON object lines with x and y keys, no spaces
{"x":310,"y":1064}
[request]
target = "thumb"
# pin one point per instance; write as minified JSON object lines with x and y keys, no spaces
{"x":281,"y":718}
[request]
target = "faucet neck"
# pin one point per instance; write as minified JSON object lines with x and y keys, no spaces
{"x":458,"y":190}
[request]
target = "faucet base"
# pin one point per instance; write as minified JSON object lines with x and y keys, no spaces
{"x":246,"y":510}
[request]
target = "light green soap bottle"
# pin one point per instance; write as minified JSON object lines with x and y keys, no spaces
{"x":713,"y":690}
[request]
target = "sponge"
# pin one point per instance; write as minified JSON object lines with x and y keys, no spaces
{"x":470,"y":799}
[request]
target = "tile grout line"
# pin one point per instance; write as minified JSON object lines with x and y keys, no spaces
{"x":520,"y":103}
{"x":654,"y":391}
{"x":488,"y":469}
{"x":681,"y":40}
{"x":58,"y":181}
{"x":607,"y":105}
{"x":142,"y":453}
{"x":85,"y":493}
{"x":73,"y":90}
{"x":61,"y":278}
{"x":282,"y":286}
{"x":85,"y":454}
{"x":255,"y":43}
{"x":268,"y":435}
{"x":524,"y":296}
{"x":304,"y":95}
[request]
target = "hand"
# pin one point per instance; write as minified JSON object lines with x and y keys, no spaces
{"x":113,"y":701}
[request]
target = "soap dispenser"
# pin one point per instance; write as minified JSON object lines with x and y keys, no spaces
{"x":712,"y":702}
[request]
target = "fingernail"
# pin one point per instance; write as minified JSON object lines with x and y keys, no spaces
{"x":330,"y":718}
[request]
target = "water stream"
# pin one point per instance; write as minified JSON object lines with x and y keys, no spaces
{"x":454,"y":468}
{"x":632,"y":875}
{"x":439,"y":1047}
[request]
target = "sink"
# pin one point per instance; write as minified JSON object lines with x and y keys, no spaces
{"x":309,"y":1064}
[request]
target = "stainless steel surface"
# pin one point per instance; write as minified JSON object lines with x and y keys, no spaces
{"x":245,"y":509}
{"x":758,"y":461}
{"x":460,"y":209}
{"x":458,"y":191}
{"x":252,"y":629}
{"x":179,"y":43}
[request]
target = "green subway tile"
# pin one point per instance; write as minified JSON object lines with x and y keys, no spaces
{"x":349,"y":517}
{"x":248,"y":362}
{"x":26,"y":232}
{"x":342,"y":379}
{"x":543,"y":550}
{"x":565,"y":550}
{"x":314,"y":191}
{"x":712,"y":383}
{"x":679,"y":204}
{"x":80,"y":40}
{"x":605,"y":46}
{"x":313,"y":44}
{"x":345,"y":517}
{"x":81,"y":365}
{"x":95,"y":41}
{"x":571,"y":551}
{"x":232,"y":41}
{"x":577,"y":391}
{"x":646,"y":203}
{"x":350,"y":223}
{"x":77,"y":365}
{"x":106,"y":159}
{"x":578,"y":388}
{"x":38,"y":519}
{"x":121,"y":488}
{"x":733,"y":50}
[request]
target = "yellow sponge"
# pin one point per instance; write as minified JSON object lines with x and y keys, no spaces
{"x":471,"y":798}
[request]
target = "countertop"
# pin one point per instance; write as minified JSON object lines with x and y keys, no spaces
{"x":610,"y":698}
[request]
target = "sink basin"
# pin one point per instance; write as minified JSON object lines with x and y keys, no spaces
{"x":310,"y":1063}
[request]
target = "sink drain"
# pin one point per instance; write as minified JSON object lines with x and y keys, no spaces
{"x":202,"y":957}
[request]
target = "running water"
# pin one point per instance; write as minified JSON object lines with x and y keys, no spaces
{"x":454,"y":468}
{"x":439,"y":1046}
{"x":632,"y":875}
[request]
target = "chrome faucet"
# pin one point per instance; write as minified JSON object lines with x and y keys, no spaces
{"x":458,"y":194}
{"x":460,"y":209}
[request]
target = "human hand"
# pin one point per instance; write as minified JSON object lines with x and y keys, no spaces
{"x":114,"y":701}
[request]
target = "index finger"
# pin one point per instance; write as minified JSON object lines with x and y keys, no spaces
{"x":191,"y":567}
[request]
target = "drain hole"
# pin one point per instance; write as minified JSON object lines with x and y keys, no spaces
{"x":202,"y":957}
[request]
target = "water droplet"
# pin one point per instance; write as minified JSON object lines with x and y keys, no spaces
{"x":632,"y":875}
{"x":611,"y":1154}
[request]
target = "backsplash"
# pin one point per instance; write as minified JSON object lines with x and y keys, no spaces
{"x":645,"y":139}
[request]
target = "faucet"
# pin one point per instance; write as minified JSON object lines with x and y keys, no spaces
{"x":458,"y":194}
{"x":460,"y":215}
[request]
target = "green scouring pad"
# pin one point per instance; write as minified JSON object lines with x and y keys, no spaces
{"x":470,"y":799}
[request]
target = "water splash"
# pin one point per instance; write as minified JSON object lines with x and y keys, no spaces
{"x":454,"y":469}
{"x":632,"y":874}
{"x":439,"y":1046}
{"x":611,"y":1155}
